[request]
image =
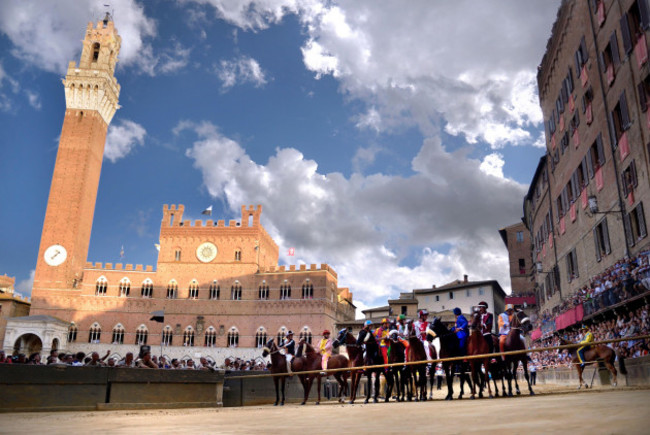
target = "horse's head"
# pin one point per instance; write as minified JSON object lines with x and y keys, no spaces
{"x":269,"y":347}
{"x":340,"y":338}
{"x":437,"y":327}
{"x":476,"y":320}
{"x":521,"y":320}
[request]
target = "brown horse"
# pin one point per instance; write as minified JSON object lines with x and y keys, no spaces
{"x":600,"y":353}
{"x":278,"y":365}
{"x":340,"y":362}
{"x":476,"y":345}
{"x":401,"y":375}
{"x":519,"y":325}
{"x":355,"y":358}
{"x":416,"y":352}
{"x":307,"y":359}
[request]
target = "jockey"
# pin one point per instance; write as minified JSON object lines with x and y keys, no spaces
{"x":461,"y":329}
{"x":395,"y":336}
{"x":325,"y":347}
{"x":421,"y":326}
{"x":290,"y":347}
{"x":588,"y":338}
{"x":504,"y":326}
{"x":486,"y":324}
{"x":381,"y":334}
{"x":402,"y":329}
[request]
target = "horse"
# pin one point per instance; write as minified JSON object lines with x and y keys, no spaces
{"x":307,"y":359}
{"x":416,"y":352}
{"x":278,"y":365}
{"x":449,"y":348}
{"x":400,"y":374}
{"x":476,"y":345}
{"x":600,"y":353}
{"x":519,"y":325}
{"x":355,"y":358}
{"x":340,"y":362}
{"x":372,"y":357}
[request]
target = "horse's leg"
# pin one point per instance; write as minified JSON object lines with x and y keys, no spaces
{"x":612,"y":370}
{"x":319,"y":388}
{"x":390,"y":382}
{"x":368,"y":386}
{"x":515,"y":369}
{"x":353,"y":386}
{"x":486,"y":377}
{"x":282,"y":383}
{"x":377,"y":384}
{"x":474,"y":377}
{"x":579,"y":369}
{"x":276,"y":381}
{"x":432,"y":380}
{"x":530,"y":388}
{"x":449,"y":374}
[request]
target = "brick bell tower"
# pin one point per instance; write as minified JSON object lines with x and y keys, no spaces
{"x":91,"y":96}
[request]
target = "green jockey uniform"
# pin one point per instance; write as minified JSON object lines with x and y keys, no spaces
{"x":588,"y":338}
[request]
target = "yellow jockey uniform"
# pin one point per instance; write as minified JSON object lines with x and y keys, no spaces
{"x":588,"y":338}
{"x":325,"y":347}
{"x":381,"y":334}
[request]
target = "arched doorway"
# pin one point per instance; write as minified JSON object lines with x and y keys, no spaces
{"x":55,"y":344}
{"x":28,"y":344}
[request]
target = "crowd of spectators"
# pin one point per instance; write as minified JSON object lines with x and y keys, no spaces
{"x":144,"y":360}
{"x":622,"y":281}
{"x":629,"y":324}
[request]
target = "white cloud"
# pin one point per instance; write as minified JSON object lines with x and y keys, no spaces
{"x":240,"y":70}
{"x":367,"y":226}
{"x":122,"y":138}
{"x":47,"y":34}
{"x":34,"y":99}
{"x":492,"y":164}
{"x":6,"y":103}
{"x":470,"y":64}
{"x":24,"y":287}
{"x":175,"y":59}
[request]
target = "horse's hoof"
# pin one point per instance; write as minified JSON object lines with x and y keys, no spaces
{"x":275,"y":404}
{"x":491,"y":396}
{"x":387,"y":400}
{"x":614,"y":383}
{"x":518,"y":393}
{"x":317,"y":403}
{"x":281,"y":403}
{"x":351,"y":402}
{"x":460,"y":396}
{"x":532,"y":393}
{"x":472,"y":397}
{"x":480,"y":395}
{"x":302,"y":403}
{"x":365,"y":401}
{"x":509,"y":394}
{"x":449,"y":398}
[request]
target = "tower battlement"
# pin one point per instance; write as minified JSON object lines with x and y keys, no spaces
{"x":173,"y":217}
{"x":301,"y":268}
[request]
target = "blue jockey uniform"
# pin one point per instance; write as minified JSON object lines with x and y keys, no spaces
{"x":462,"y":330}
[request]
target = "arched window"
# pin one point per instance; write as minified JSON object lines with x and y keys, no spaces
{"x":141,"y":335}
{"x":282,"y":332}
{"x":118,"y":334}
{"x":233,"y":337}
{"x":215,"y":290}
{"x":177,"y":255}
{"x":285,"y":290}
{"x":167,"y":336}
{"x":238,"y":255}
{"x":147,"y":288}
{"x":305,"y":334}
{"x":307,"y":290}
{"x":210,"y":337}
{"x":263,"y":290}
{"x":194,"y":290}
{"x":235,"y":291}
{"x":72,"y":333}
{"x":100,"y":286}
{"x":125,"y":287}
{"x":95,"y":333}
{"x":96,"y":47}
{"x":188,"y":337}
{"x":172,"y":289}
{"x":260,"y":337}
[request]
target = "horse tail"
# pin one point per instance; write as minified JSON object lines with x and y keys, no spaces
{"x":621,"y":363}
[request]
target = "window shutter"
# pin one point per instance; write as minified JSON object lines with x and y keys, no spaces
{"x":584,"y":104}
{"x":641,"y":217}
{"x":628,"y":229}
{"x":565,"y":199}
{"x":612,"y":129}
{"x":625,"y":114}
{"x":568,"y":267}
{"x":644,"y":12}
{"x":643,"y":98}
{"x":585,"y":172}
{"x":569,"y":79}
{"x":603,"y":225}
{"x":597,"y":244}
{"x":625,"y":33}
{"x":576,"y":271}
{"x":613,"y":44}
{"x":625,"y":192}
{"x":583,"y":50}
{"x":635,"y":181}
{"x":578,"y":63}
{"x":599,"y":149}
{"x":575,"y":185}
{"x":590,"y":167}
{"x":601,"y":59}
{"x":576,"y":119}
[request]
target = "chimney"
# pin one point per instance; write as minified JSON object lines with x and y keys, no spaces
{"x":464,"y":278}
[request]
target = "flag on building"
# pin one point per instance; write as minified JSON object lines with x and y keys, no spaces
{"x":157,"y":247}
{"x":291,"y":252}
{"x":207,"y":211}
{"x":122,"y":252}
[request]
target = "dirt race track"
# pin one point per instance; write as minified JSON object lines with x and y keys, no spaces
{"x":607,"y":410}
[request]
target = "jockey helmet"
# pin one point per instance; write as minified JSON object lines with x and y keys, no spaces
{"x":584,"y":327}
{"x":289,"y":333}
{"x":457,"y":311}
{"x":423,"y":313}
{"x":326,"y":332}
{"x":384,"y":320}
{"x":483,"y":304}
{"x":393,"y":332}
{"x":367,"y":323}
{"x":510,"y":307}
{"x":401,"y":317}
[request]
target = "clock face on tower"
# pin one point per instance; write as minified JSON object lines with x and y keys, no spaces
{"x":206,"y":252}
{"x":55,"y":255}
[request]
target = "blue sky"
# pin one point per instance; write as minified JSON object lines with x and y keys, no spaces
{"x":391,"y":142}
